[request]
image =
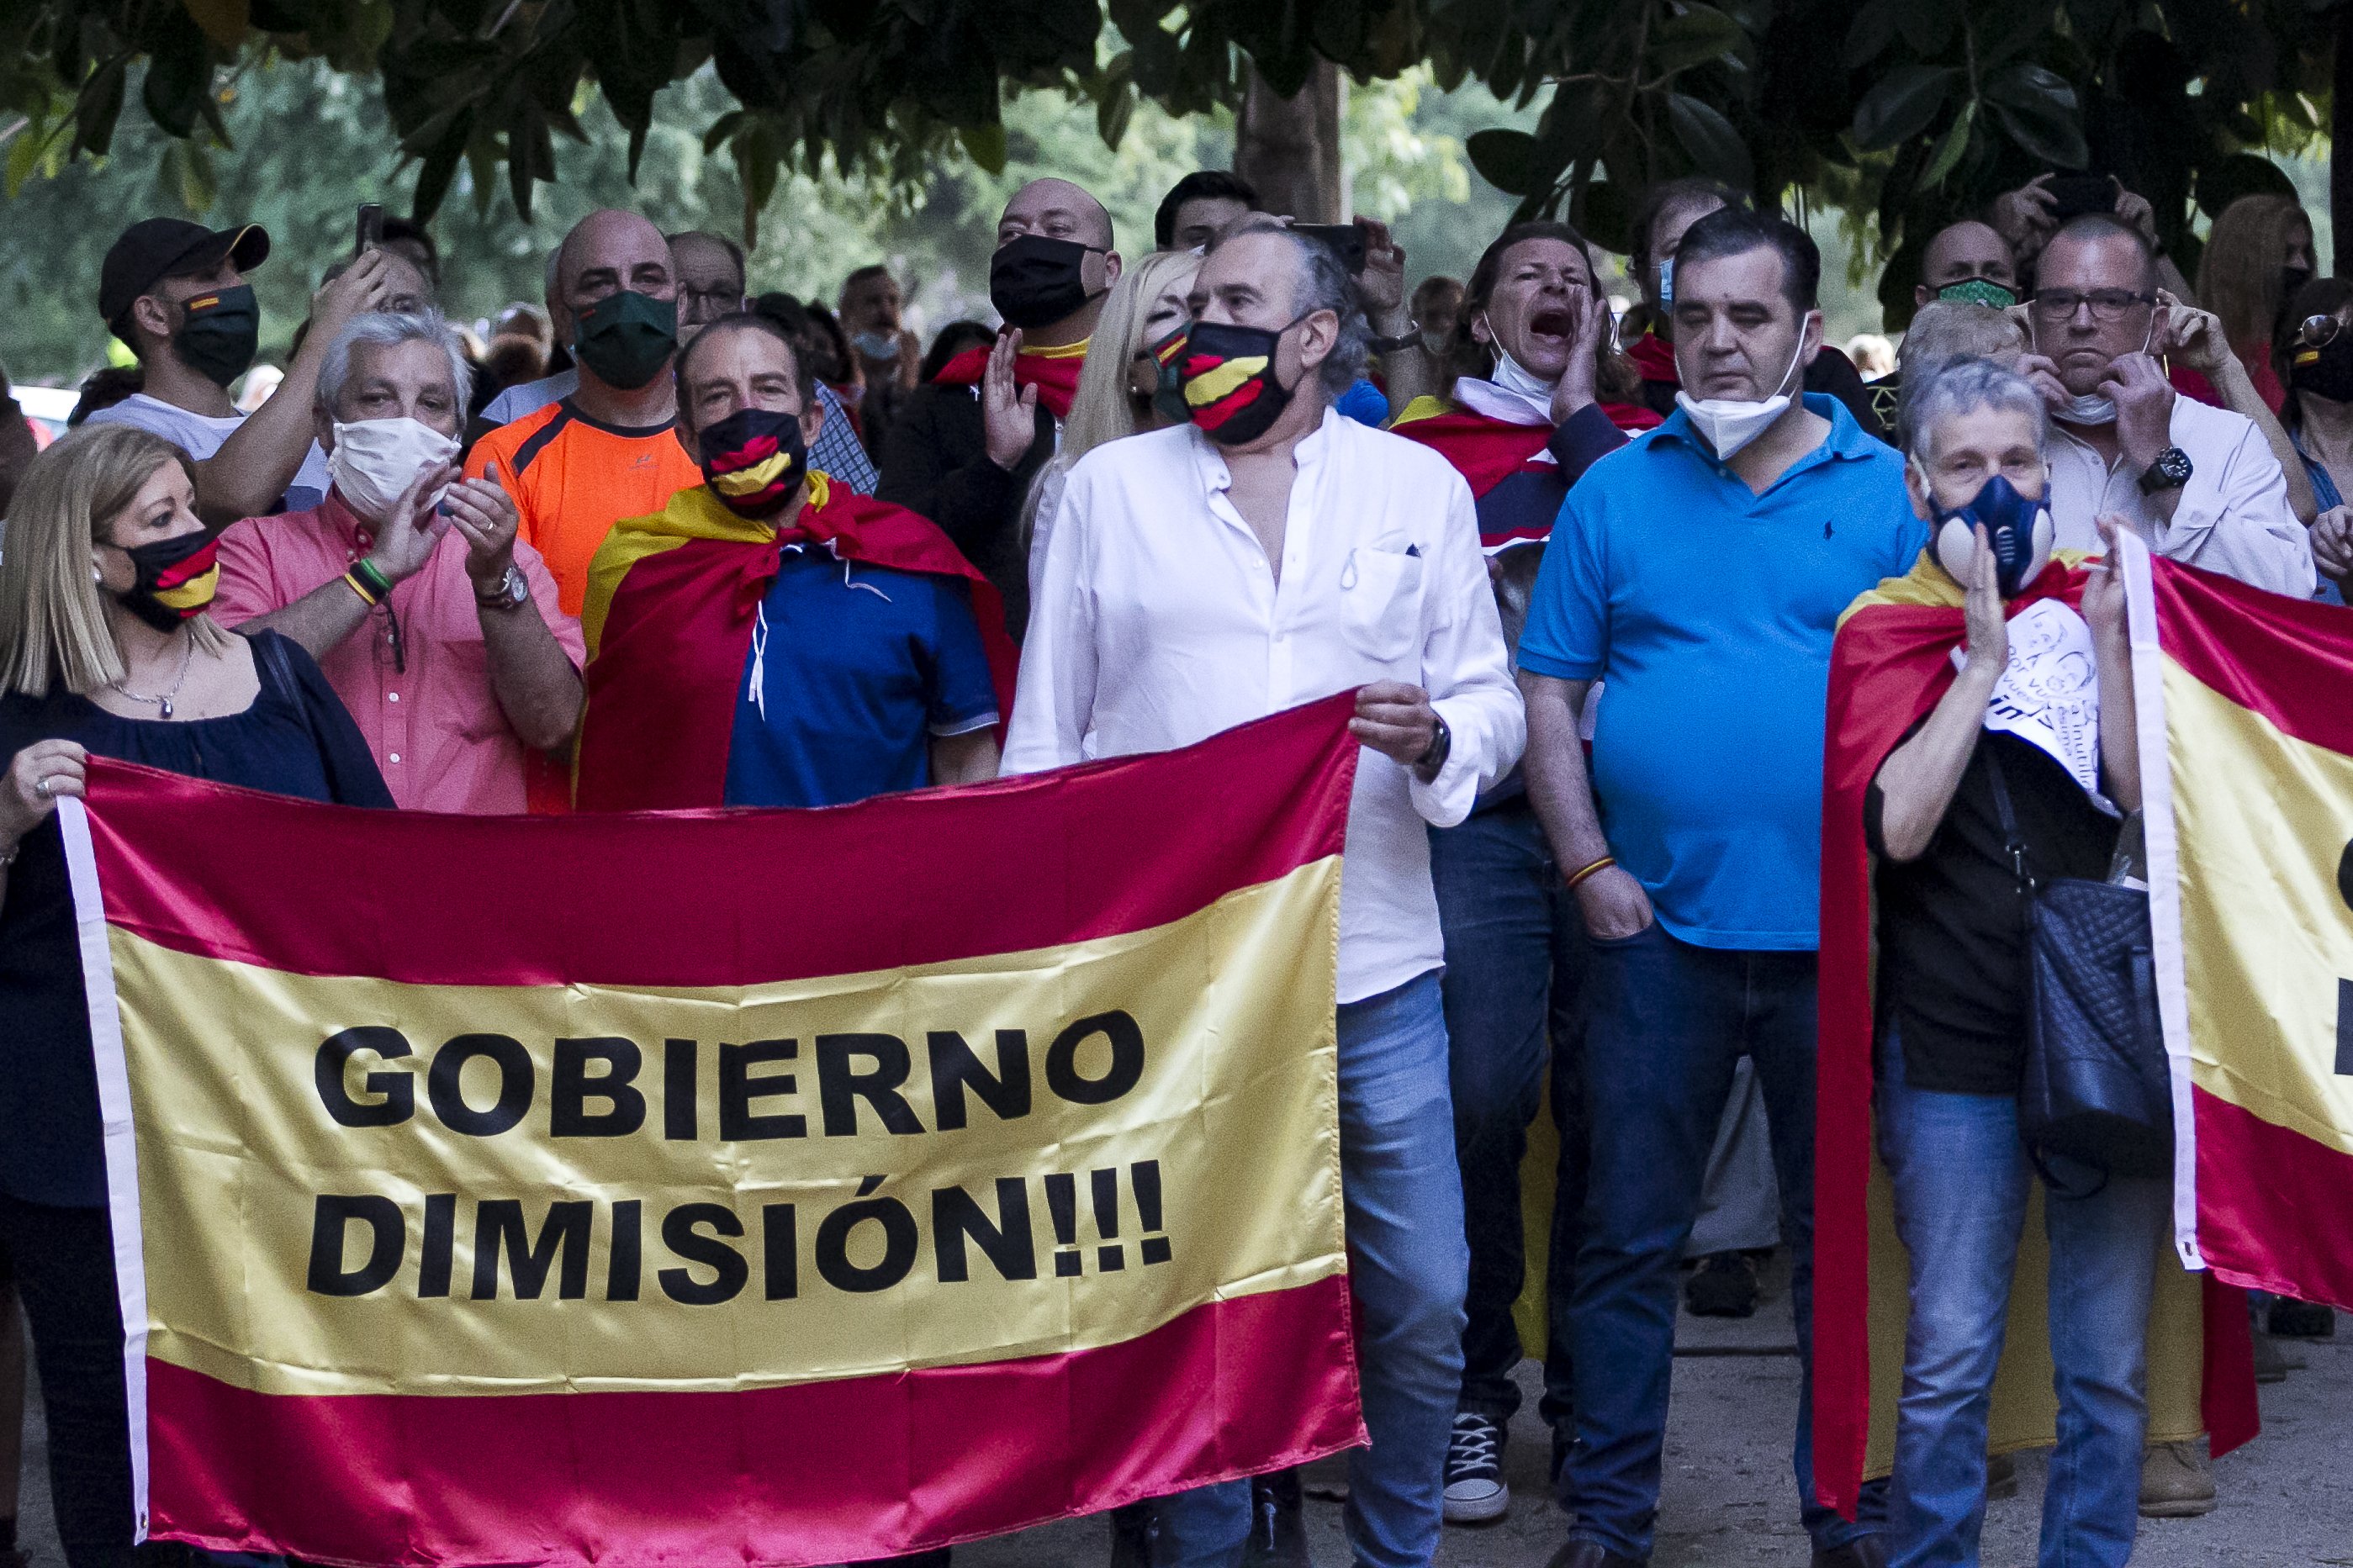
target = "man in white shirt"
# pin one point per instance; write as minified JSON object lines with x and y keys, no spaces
{"x":2199,"y":483}
{"x":1269,"y":553}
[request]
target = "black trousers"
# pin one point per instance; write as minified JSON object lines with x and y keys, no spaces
{"x":64,"y":1263}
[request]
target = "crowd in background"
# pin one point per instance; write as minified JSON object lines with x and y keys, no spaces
{"x":659,"y":542}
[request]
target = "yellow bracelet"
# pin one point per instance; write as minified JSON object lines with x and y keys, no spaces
{"x":1599,"y":865}
{"x":355,"y":584}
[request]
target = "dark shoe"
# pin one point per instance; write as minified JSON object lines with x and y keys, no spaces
{"x":2293,"y":1320}
{"x":1723,"y":1286}
{"x":2175,"y":1482}
{"x":1475,"y":1493}
{"x":1131,"y":1536}
{"x":1278,"y":1537}
{"x":1862,"y":1552}
{"x":1590,"y":1554}
{"x":2001,"y":1476}
{"x":2272,"y":1364}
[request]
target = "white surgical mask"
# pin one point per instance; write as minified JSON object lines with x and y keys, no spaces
{"x":1731,"y":422}
{"x":1518,"y":381}
{"x":879,"y":346}
{"x":2091,"y":408}
{"x":375,"y":460}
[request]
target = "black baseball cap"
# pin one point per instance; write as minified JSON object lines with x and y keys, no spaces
{"x":160,"y":247}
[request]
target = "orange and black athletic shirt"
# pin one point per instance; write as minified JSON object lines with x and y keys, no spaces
{"x":573,"y":478}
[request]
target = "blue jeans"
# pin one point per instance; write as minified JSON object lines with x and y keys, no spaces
{"x":1406,"y":1259}
{"x":1515,"y":959}
{"x":1961,"y":1181}
{"x":1666,"y":1022}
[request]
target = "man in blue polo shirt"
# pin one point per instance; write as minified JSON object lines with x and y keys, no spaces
{"x":1699,"y":572}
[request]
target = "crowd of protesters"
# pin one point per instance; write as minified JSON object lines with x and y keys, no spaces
{"x":1582,"y":568}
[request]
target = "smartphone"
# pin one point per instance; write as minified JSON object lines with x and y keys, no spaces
{"x":371,"y":230}
{"x":1344,"y":238}
{"x":2072,"y":196}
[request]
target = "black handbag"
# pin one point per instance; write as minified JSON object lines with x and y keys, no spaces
{"x":2098,"y":1088}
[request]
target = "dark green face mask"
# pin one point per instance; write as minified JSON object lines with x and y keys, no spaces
{"x":626,"y":338}
{"x":219,"y":334}
{"x":1980,"y":291}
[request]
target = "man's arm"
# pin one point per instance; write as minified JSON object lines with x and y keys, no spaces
{"x":331,"y":611}
{"x":1053,"y":702}
{"x":2195,"y":338}
{"x":969,"y":758}
{"x":2233,"y":517}
{"x":1614,"y":904}
{"x":534,"y":676}
{"x":251,"y":472}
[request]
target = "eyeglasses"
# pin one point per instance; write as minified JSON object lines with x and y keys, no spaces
{"x":2107,"y":304}
{"x":2318,"y":332}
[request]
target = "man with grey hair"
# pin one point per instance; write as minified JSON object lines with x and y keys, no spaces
{"x":1266,"y":553}
{"x":438,"y":628}
{"x":2200,"y":485}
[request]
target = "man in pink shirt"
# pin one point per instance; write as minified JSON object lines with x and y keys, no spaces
{"x":437,"y":627}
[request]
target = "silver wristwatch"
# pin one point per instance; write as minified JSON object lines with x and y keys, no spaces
{"x":512,"y":594}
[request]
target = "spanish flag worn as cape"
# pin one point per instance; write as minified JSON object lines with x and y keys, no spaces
{"x":669,"y":616}
{"x":1891,"y":663}
{"x":1053,"y":372}
{"x":1487,"y":452}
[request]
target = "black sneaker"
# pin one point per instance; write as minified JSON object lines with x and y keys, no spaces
{"x":1278,"y":1537}
{"x":1723,"y":1286}
{"x":1475,"y":1493}
{"x":2290,"y":1319}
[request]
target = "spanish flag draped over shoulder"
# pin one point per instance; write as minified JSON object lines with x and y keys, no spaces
{"x":784,"y":1187}
{"x":1487,"y":452}
{"x":1890,"y":665}
{"x":669,"y":617}
{"x":1053,"y":372}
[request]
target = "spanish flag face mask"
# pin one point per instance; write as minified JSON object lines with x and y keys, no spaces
{"x":1227,"y":372}
{"x":753,"y":459}
{"x":176,"y":578}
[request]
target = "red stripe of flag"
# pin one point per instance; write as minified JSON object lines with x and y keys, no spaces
{"x":2290,"y":660}
{"x":813,"y":1473}
{"x":720,"y":898}
{"x":2274,"y":1208}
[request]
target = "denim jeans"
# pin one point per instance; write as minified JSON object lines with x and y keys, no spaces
{"x":1407,"y":1261}
{"x":1961,"y":1180}
{"x":1515,"y":959}
{"x":1666,"y":1021}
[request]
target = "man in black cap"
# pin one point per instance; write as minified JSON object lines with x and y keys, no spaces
{"x":176,"y":293}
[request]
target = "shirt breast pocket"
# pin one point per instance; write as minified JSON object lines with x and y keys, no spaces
{"x":1380,"y":602}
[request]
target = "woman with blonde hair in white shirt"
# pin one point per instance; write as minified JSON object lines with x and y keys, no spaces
{"x":1129,"y":360}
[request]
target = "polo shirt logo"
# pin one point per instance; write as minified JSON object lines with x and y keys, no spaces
{"x":1826,"y":528}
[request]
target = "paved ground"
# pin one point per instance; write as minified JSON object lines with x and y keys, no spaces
{"x":2286,"y":1499}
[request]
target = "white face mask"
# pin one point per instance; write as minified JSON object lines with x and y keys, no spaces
{"x":2091,"y":408}
{"x":1517,"y":378}
{"x":1731,"y":422}
{"x":375,"y":460}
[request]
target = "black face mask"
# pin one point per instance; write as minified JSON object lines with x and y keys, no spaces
{"x":1169,"y":366}
{"x":219,"y":334}
{"x":753,"y":459}
{"x":1035,"y":280}
{"x":626,"y":338}
{"x":2291,"y":281}
{"x":1230,"y":388}
{"x":2324,"y":372}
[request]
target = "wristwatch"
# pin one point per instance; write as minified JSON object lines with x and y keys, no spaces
{"x":1440,"y":745}
{"x":1409,"y":339}
{"x":513,"y":593}
{"x":2169,"y":472}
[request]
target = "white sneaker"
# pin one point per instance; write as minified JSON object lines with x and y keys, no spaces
{"x":1475,"y":1493}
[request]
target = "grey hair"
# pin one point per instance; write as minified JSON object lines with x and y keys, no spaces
{"x":1324,"y":285}
{"x":1964,"y":385}
{"x":385,"y":331}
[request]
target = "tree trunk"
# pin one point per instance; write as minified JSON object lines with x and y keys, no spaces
{"x":2341,"y":144}
{"x":1290,"y":147}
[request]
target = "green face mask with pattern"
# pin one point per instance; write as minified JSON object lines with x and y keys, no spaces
{"x":1980,"y":291}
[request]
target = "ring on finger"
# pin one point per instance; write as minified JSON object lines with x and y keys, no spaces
{"x":41,"y":788}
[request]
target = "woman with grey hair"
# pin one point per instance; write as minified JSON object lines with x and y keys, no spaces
{"x":2030,"y":752}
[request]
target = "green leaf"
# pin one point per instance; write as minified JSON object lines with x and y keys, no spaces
{"x":1902,"y":105}
{"x":1112,"y":114}
{"x":99,"y":105}
{"x":1927,"y":24}
{"x":1694,"y":36}
{"x":2037,"y":109}
{"x":985,"y":144}
{"x":1950,"y":147}
{"x":1867,"y":39}
{"x":1504,"y":159}
{"x":1715,"y":148}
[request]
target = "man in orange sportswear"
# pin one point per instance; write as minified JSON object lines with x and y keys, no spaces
{"x":607,"y":451}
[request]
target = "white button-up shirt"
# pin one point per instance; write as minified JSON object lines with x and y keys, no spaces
{"x":1157,"y":622}
{"x":2232,"y":518}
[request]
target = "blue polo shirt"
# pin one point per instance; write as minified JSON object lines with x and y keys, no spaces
{"x":1707,"y":611}
{"x":852,"y":672}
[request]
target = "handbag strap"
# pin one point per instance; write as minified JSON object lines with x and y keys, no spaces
{"x":2014,"y":844}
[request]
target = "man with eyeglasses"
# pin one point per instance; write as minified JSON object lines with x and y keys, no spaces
{"x":2200,"y":484}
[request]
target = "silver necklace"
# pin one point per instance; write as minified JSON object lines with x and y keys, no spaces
{"x":187,"y":656}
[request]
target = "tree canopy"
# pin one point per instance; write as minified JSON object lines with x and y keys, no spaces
{"x":1909,"y":111}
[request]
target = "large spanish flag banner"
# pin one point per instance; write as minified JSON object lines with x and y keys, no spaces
{"x":776,"y":1187}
